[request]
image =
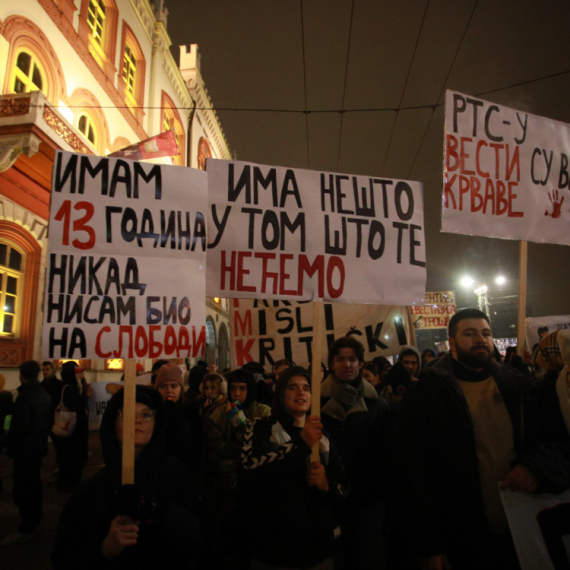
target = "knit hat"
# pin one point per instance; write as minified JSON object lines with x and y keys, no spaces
{"x":169,"y":373}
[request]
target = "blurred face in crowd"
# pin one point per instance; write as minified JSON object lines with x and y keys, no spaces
{"x":372,"y":378}
{"x":211,"y":390}
{"x":170,"y":391}
{"x":238,"y":392}
{"x":47,"y":370}
{"x":473,"y":343}
{"x":410,"y":362}
{"x":297,"y":396}
{"x":345,"y":365}
{"x":144,"y":426}
{"x":279,"y":370}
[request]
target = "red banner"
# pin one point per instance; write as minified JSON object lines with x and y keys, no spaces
{"x":163,"y":144}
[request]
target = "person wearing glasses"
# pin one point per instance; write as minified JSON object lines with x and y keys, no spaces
{"x":109,"y":525}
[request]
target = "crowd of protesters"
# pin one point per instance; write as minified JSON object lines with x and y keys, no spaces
{"x":399,"y":470}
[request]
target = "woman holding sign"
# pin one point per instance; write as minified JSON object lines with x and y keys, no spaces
{"x":109,"y":525}
{"x":294,"y":503}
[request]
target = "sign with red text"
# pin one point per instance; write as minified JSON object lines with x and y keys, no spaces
{"x":435,"y":314}
{"x":126,"y":261}
{"x":267,"y":331}
{"x":506,"y":172}
{"x":292,"y":234}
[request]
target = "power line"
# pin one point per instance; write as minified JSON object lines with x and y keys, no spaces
{"x":344,"y":88}
{"x":404,"y":90}
{"x":442,"y":88}
{"x":305,"y":84}
{"x":310,"y":111}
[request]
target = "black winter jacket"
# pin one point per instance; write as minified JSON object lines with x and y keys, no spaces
{"x":436,"y":472}
{"x":32,"y":418}
{"x":293,"y":523}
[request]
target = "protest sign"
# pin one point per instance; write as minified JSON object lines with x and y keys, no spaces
{"x":292,"y":234}
{"x":553,"y":323}
{"x":435,"y":314}
{"x":540,"y":527}
{"x":506,"y":172}
{"x":126,"y":260}
{"x":266,"y":331}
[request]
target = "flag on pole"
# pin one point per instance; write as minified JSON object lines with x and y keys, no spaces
{"x":163,"y":144}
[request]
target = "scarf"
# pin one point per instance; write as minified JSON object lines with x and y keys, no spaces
{"x":346,"y":397}
{"x":548,"y":352}
{"x":563,"y":391}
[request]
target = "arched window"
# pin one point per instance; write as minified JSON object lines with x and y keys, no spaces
{"x":86,"y":127}
{"x":171,"y":120}
{"x":204,"y":152}
{"x":132,"y":73}
{"x":97,"y":20}
{"x":223,"y":348}
{"x":32,"y":61}
{"x":11,"y":286}
{"x":210,"y":341}
{"x":98,"y":24}
{"x":20,"y":259}
{"x":90,"y":119}
{"x":28,"y":73}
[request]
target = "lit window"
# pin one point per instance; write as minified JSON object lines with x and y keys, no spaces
{"x":85,"y":126}
{"x":11,"y":279}
{"x":130,"y":70}
{"x":28,"y":74}
{"x":96,"y":19}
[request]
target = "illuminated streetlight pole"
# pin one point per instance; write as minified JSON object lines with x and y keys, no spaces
{"x":483,"y":299}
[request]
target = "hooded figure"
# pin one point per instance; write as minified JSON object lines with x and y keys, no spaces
{"x":72,"y":451}
{"x":223,"y":438}
{"x":157,"y":512}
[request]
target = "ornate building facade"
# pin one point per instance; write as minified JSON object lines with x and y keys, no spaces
{"x":87,"y":76}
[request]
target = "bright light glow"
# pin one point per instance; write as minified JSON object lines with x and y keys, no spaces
{"x":500,"y":280}
{"x":467,"y":282}
{"x":480,"y":290}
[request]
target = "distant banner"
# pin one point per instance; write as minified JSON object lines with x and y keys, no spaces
{"x":267,"y":331}
{"x":540,"y":527}
{"x":552,"y":323}
{"x":435,"y":314}
{"x":101,"y":393}
{"x":126,"y":260}
{"x":506,"y":172}
{"x":298,"y":235}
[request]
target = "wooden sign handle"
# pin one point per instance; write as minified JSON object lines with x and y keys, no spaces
{"x":316,"y":359}
{"x":521,"y":320}
{"x":128,"y":472}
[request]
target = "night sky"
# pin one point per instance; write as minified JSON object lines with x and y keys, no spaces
{"x":371,"y":58}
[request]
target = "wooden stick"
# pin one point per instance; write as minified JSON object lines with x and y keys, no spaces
{"x":316,"y":359}
{"x":128,"y":473}
{"x":521,"y":321}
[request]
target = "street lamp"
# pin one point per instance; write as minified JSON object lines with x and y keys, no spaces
{"x":483,"y":299}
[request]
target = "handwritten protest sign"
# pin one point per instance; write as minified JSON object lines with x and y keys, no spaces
{"x":435,"y":314}
{"x":506,"y":172}
{"x":292,"y":234}
{"x":126,"y":260}
{"x":266,"y":331}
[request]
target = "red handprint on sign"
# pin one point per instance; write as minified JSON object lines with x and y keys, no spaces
{"x":556,"y":204}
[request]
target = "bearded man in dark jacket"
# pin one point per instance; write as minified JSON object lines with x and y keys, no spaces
{"x":458,"y":435}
